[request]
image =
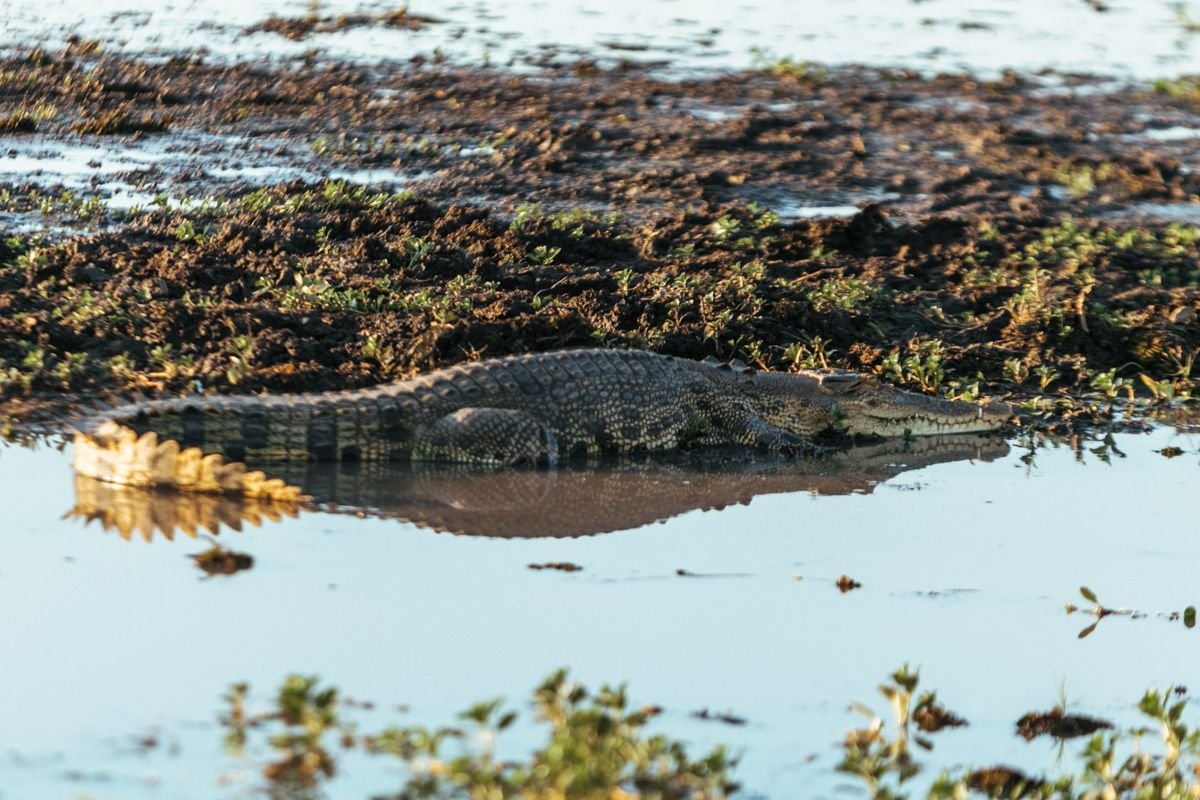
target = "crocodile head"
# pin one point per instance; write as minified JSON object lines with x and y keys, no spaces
{"x":807,"y":402}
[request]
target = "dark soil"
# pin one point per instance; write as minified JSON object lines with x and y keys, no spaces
{"x":997,"y":250}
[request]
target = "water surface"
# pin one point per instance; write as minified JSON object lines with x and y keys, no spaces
{"x":1133,"y":39}
{"x":965,"y":567}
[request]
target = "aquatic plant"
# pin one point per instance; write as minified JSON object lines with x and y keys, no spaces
{"x":595,"y":747}
{"x":1114,"y":764}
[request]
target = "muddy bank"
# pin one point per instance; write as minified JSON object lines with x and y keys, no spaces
{"x":1013,"y":237}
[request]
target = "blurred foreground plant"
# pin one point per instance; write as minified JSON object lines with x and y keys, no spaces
{"x":1114,"y":765}
{"x":595,"y":748}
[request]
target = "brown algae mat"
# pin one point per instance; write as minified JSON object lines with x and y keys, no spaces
{"x":1013,"y":237}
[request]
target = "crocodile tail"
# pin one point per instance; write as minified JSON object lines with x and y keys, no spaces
{"x":114,"y":453}
{"x":148,"y":512}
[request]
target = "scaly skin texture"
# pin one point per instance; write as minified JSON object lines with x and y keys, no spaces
{"x":610,"y":493}
{"x":531,"y":409}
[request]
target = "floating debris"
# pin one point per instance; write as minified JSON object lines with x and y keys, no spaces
{"x":562,"y":566}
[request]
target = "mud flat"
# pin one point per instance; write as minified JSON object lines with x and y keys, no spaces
{"x":328,"y":225}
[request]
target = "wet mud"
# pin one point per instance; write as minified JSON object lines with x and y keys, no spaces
{"x":952,"y":235}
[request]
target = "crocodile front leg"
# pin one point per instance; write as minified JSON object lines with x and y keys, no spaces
{"x":764,"y":435}
{"x":487,"y":436}
{"x":730,"y":421}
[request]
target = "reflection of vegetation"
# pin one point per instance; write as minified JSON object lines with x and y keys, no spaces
{"x":1115,"y":764}
{"x":596,"y":748}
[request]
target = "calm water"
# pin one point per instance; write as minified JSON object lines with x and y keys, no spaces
{"x":1134,"y":39}
{"x":965,"y":566}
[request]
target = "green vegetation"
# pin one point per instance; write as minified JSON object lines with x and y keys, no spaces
{"x":26,"y":119}
{"x":595,"y":746}
{"x":1184,"y":88}
{"x":1118,"y":765}
{"x":843,"y":294}
{"x":121,"y":120}
{"x":1083,"y":178}
{"x":67,"y":204}
{"x":1056,"y":314}
{"x":331,"y":195}
{"x":786,"y":68}
{"x":920,"y":365}
{"x":544,"y":255}
{"x":241,"y":355}
{"x":749,"y":229}
{"x":530,"y":219}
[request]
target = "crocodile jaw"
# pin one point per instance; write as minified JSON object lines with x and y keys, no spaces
{"x":926,"y":416}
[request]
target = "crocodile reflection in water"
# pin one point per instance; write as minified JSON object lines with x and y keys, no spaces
{"x":506,"y":503}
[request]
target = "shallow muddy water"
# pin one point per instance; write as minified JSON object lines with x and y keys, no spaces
{"x":118,"y":650}
{"x":1131,"y":39}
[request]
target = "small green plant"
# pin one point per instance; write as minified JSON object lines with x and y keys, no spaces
{"x":624,"y":279}
{"x":186,"y":232}
{"x":544,"y":255}
{"x":922,"y":366}
{"x":1046,"y":375}
{"x":1016,"y":370}
{"x":382,"y":354}
{"x":1163,"y":391}
{"x":1110,"y":385}
{"x":416,"y":248}
{"x":526,"y":214}
{"x":1082,"y":178}
{"x":1184,"y":88}
{"x":843,"y":294}
{"x":814,"y":354}
{"x":785,"y":67}
{"x":171,"y":365}
{"x":726,"y":228}
{"x":241,"y":353}
{"x":121,"y":367}
{"x":1097,"y":610}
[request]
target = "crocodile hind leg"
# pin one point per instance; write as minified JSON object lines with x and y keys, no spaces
{"x":486,"y":436}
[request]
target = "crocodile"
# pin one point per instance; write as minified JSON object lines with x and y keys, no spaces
{"x":535,"y":409}
{"x":582,"y":498}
